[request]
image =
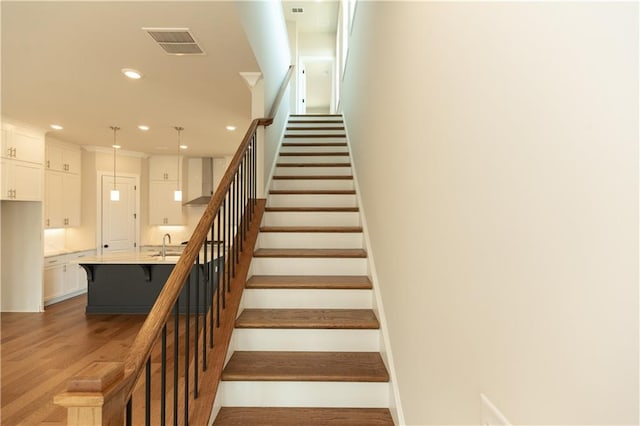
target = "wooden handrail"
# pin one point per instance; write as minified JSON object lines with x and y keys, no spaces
{"x":281,"y":92}
{"x":98,"y":394}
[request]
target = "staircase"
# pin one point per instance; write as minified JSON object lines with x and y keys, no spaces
{"x":306,"y":343}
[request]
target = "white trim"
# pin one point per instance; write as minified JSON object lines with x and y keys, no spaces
{"x":107,"y":150}
{"x":395,"y":405}
{"x":100,"y":174}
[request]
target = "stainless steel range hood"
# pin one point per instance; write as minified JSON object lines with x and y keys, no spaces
{"x":200,"y":181}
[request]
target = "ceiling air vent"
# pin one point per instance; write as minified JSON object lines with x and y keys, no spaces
{"x":297,"y":10}
{"x":175,"y":41}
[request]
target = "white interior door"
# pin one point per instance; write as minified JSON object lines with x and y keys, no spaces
{"x":302,"y":90}
{"x":119,"y":217}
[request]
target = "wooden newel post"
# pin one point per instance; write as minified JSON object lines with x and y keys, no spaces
{"x":95,"y":396}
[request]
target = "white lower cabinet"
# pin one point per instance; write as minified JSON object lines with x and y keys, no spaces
{"x":63,"y":278}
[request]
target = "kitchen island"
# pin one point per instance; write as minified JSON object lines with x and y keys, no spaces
{"x":129,"y":283}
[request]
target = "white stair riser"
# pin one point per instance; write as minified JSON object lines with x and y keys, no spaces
{"x":253,"y":339}
{"x":311,"y":219}
{"x":313,"y":266}
{"x":303,"y":298}
{"x":335,"y":120}
{"x":313,"y":171}
{"x":304,"y":394}
{"x":314,"y":159}
{"x":311,"y":200}
{"x":314,"y":149}
{"x":304,"y":184}
{"x":318,"y":240}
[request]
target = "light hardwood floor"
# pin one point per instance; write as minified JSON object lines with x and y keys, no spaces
{"x":39,"y":352}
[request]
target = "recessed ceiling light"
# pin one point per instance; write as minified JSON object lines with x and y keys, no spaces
{"x":183,"y":147}
{"x":116,"y":146}
{"x":143,"y":127}
{"x":231,"y":128}
{"x":131,"y":73}
{"x":56,"y":127}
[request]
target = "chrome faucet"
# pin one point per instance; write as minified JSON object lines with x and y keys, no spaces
{"x":164,"y":250}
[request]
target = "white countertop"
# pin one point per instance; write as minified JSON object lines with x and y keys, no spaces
{"x":133,"y":258}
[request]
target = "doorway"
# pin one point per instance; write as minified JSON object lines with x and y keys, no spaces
{"x":316,"y":85}
{"x":119,"y":222}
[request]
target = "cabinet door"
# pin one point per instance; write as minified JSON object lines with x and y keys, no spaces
{"x":53,"y":200}
{"x":163,"y":167}
{"x":71,"y":199}
{"x":163,"y":210}
{"x":81,"y":274}
{"x":26,"y":180}
{"x":53,"y":158}
{"x":53,"y":277}
{"x":7,"y":182}
{"x":71,"y":160}
{"x":27,"y":148}
{"x":70,"y":278}
{"x":7,"y":150}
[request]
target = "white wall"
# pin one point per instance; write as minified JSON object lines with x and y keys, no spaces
{"x":264,"y":24}
{"x":496,"y":148}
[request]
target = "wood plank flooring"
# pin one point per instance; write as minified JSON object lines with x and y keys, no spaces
{"x":41,"y":351}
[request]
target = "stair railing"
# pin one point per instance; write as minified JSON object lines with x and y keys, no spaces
{"x":201,"y":282}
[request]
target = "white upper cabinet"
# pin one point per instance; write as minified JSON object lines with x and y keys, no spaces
{"x":62,"y":158}
{"x":62,"y":185}
{"x":21,"y":145}
{"x":163,"y":167}
{"x":22,"y":158}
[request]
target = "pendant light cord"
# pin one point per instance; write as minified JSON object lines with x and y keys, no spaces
{"x":179,"y":130}
{"x":115,"y":129}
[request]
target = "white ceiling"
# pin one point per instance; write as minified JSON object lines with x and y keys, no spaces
{"x":61,"y":63}
{"x":317,"y":16}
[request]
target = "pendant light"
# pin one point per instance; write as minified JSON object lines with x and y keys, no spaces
{"x":177,"y":194}
{"x":115,"y":194}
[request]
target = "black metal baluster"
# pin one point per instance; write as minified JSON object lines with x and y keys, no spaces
{"x":163,"y":378}
{"x":229,"y":253}
{"x":205,"y":304}
{"x":234,"y":221}
{"x":196,"y":344}
{"x":219,"y":263}
{"x":255,"y":171}
{"x":187,"y":327}
{"x":213,"y":268}
{"x":129,"y":412}
{"x":176,"y":342}
{"x":147,"y":394}
{"x":239,"y":215}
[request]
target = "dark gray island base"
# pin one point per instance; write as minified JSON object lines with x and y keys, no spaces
{"x":129,"y":288}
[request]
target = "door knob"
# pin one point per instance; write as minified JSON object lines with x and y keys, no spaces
{"x":106,"y":246}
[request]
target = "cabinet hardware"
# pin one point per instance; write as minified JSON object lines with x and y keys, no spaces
{"x":48,"y":164}
{"x":48,"y":222}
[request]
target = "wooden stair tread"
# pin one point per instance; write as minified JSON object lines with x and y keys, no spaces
{"x":310,"y":253}
{"x":312,"y":191}
{"x":303,"y":144}
{"x":308,"y":318}
{"x":313,"y":154}
{"x":289,"y":416}
{"x":335,"y":282}
{"x":317,"y":127}
{"x":345,"y":229}
{"x":311,"y":209}
{"x":313,"y":165}
{"x":313,"y":177}
{"x":306,"y":366}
